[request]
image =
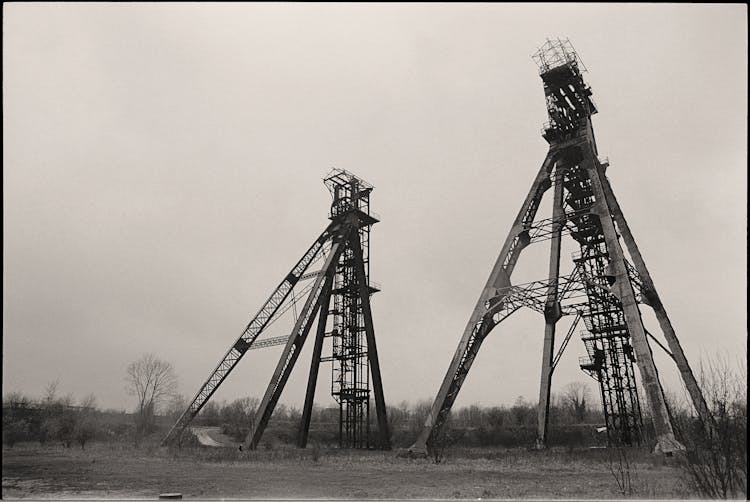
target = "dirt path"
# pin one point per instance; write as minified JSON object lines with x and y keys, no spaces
{"x":204,"y":436}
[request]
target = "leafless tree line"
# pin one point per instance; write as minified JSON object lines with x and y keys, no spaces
{"x":53,"y":418}
{"x":715,"y":463}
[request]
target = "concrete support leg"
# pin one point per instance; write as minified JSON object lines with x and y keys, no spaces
{"x":499,"y":278}
{"x":623,"y":289}
{"x":384,"y":432}
{"x":552,"y":313}
{"x":652,"y":297}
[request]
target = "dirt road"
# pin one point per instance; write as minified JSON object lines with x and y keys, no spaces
{"x":210,"y":436}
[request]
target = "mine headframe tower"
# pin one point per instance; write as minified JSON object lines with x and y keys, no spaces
{"x":604,"y":289}
{"x":339,"y":295}
{"x":350,"y":384}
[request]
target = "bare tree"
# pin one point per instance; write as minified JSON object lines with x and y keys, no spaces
{"x":86,"y":426}
{"x":15,"y":425}
{"x":152,"y":381}
{"x":59,"y":418}
{"x":237,"y":417}
{"x":176,"y":407}
{"x":209,"y":415}
{"x":16,"y":400}
{"x":50,"y":393}
{"x":576,"y":397}
{"x":717,"y":452}
{"x":48,"y":427}
{"x":63,"y":420}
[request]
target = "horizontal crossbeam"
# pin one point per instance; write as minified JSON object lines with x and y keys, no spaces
{"x":269,"y":342}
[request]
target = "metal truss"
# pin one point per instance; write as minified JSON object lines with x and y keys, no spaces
{"x":254,"y":328}
{"x":555,"y":53}
{"x":604,"y":290}
{"x":542,"y":230}
{"x":570,"y":295}
{"x":342,"y":236}
{"x":566,"y":340}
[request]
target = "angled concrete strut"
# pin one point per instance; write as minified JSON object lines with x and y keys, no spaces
{"x":480,"y":323}
{"x":651,"y":298}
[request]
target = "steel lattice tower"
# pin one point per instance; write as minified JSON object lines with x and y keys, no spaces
{"x":350,"y":369}
{"x":605,"y":289}
{"x":340,"y":296}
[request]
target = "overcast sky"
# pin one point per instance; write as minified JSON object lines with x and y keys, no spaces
{"x":163,"y":169}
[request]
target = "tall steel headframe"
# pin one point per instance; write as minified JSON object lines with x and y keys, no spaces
{"x":350,"y":383}
{"x":338,"y":293}
{"x":605,"y":288}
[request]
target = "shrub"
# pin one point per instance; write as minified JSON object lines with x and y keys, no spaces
{"x":716,"y":460}
{"x":14,"y":432}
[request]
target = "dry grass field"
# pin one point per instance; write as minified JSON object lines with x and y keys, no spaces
{"x":122,"y":471}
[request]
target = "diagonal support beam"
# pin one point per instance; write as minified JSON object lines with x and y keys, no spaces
{"x":265,"y":316}
{"x":552,"y":314}
{"x":623,"y":289}
{"x":479,"y":325}
{"x":372,"y":349}
{"x":315,"y":365}
{"x":652,"y":299}
{"x":294,"y":345}
{"x":661,"y":345}
{"x":565,"y":341}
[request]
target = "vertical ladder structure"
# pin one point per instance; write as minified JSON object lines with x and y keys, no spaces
{"x":607,"y":339}
{"x":604,"y":289}
{"x":339,"y":295}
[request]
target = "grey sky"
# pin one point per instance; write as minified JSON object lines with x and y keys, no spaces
{"x":163,"y":164}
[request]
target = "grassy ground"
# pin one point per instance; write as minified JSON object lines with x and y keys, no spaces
{"x":122,"y":471}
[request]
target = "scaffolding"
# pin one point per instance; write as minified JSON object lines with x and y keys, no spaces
{"x":350,"y":383}
{"x":607,"y":340}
